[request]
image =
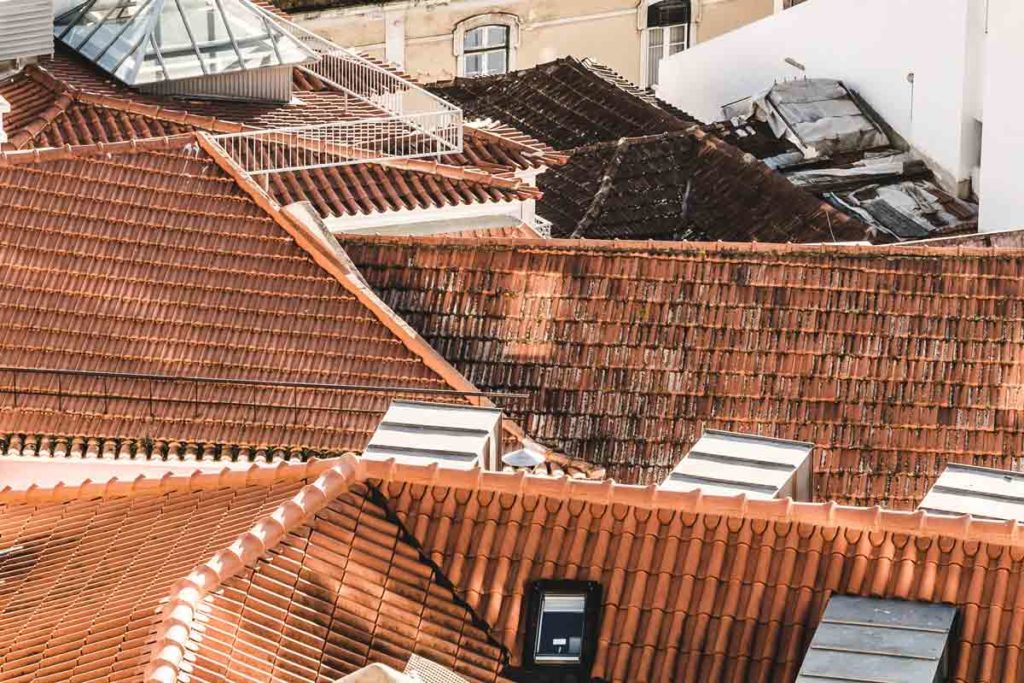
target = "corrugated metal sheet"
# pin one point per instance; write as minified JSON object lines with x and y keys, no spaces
{"x":26,"y":28}
{"x":722,"y":463}
{"x":867,"y":639}
{"x":978,"y":491}
{"x":456,"y":436}
{"x":269,"y":84}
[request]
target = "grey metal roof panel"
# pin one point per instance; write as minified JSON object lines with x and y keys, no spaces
{"x":869,"y":639}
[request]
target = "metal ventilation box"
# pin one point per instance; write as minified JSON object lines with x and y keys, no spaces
{"x":868,"y":639}
{"x":978,"y":491}
{"x":26,"y":29}
{"x":727,"y":464}
{"x":458,"y":436}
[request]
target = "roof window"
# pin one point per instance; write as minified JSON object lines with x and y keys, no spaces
{"x":561,"y":628}
{"x":979,"y":491}
{"x":727,"y":464}
{"x":457,"y":436}
{"x":868,"y":639}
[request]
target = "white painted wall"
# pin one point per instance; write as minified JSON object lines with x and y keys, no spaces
{"x":871,"y":45}
{"x":1002,"y":193}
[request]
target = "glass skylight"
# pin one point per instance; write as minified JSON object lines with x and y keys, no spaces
{"x":151,"y":41}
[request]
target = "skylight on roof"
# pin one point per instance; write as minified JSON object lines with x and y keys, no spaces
{"x":152,"y":41}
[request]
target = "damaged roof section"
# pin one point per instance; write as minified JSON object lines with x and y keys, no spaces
{"x":683,"y":186}
{"x":826,"y":140}
{"x":566,"y":103}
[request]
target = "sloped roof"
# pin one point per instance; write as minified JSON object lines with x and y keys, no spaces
{"x":892,"y":360}
{"x":160,"y":262}
{"x":82,"y":109}
{"x":375,"y":560}
{"x":683,"y":186}
{"x":566,"y":103}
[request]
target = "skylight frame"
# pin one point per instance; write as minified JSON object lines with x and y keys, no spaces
{"x":161,"y":42}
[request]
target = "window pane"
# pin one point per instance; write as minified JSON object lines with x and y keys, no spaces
{"x":474,"y":64}
{"x":560,"y":631}
{"x":655,"y":51}
{"x":497,"y":62}
{"x":668,"y":12}
{"x":678,"y":39}
{"x":497,"y":36}
{"x":474,"y":38}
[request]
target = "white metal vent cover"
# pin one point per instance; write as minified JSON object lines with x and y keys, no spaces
{"x":458,"y":436}
{"x":424,"y":670}
{"x":728,"y":464}
{"x":978,"y":491}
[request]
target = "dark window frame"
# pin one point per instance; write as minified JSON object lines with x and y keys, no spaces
{"x":669,"y":13}
{"x":535,"y":591}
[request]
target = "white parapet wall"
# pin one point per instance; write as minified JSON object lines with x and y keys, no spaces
{"x":909,"y":59}
{"x":1002,"y":192}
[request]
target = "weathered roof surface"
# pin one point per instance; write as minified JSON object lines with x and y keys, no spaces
{"x":160,"y":263}
{"x":374,"y":561}
{"x":566,"y":103}
{"x":683,"y":186}
{"x":893,"y":360}
{"x":69,"y":103}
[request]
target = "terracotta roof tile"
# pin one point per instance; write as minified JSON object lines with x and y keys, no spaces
{"x":372,"y":561}
{"x":683,"y":186}
{"x":161,"y":263}
{"x":566,"y":103}
{"x":894,"y":361}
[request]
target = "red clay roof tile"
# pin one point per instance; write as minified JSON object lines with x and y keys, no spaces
{"x":159,"y":263}
{"x":893,"y":361}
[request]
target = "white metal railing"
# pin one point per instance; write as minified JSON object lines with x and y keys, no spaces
{"x":389,"y":117}
{"x":338,"y":143}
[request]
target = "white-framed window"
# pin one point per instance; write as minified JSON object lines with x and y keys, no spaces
{"x":485,"y":50}
{"x":486,"y":44}
{"x":666,"y":31}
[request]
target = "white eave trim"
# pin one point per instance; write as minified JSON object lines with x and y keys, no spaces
{"x":435,"y":220}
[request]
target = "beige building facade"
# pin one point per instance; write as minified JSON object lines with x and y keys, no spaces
{"x":436,"y":40}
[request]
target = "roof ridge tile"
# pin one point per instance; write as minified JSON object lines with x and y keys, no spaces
{"x":182,"y":605}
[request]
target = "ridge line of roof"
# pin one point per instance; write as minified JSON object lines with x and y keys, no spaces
{"x":40,"y":121}
{"x":783,"y":510}
{"x":182,"y":605}
{"x":31,"y":156}
{"x":684,"y":248}
{"x":550,"y":157}
{"x":226,"y":477}
{"x":334,"y":260}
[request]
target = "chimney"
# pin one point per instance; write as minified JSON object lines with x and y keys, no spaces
{"x":5,"y":108}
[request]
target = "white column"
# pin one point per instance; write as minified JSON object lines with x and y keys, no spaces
{"x":1002,"y":147}
{"x":394,"y":36}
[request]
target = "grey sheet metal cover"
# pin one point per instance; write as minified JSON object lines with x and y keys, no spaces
{"x":872,"y":640}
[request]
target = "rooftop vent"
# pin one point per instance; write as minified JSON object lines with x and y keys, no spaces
{"x":425,"y":670}
{"x":25,"y":29}
{"x":727,"y":464}
{"x":455,"y":436}
{"x":867,"y":639}
{"x":150,"y":42}
{"x":977,"y":491}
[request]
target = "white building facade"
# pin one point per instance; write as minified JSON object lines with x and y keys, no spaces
{"x":944,"y":74}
